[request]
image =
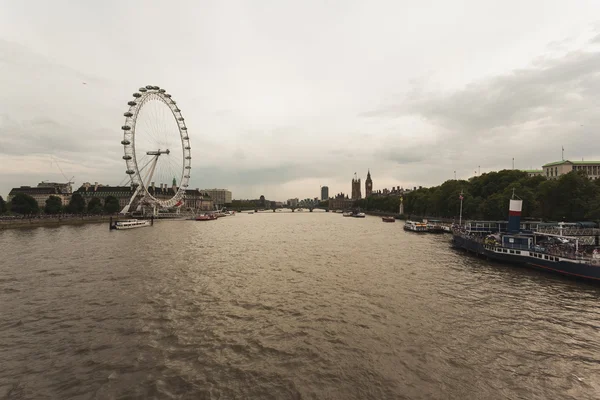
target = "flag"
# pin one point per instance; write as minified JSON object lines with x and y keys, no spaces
{"x":460,"y":196}
{"x":179,"y":203}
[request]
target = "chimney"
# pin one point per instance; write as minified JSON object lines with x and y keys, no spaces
{"x":95,"y":186}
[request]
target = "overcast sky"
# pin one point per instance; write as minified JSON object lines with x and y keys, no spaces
{"x":281,"y":97}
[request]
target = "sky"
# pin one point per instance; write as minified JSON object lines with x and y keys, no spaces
{"x":282,"y":97}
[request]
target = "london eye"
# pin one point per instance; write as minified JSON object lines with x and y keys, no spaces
{"x":157,"y":151}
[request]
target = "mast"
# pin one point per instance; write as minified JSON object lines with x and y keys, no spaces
{"x":460,"y":215}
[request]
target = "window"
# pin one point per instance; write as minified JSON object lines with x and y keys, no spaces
{"x":512,"y":252}
{"x":518,"y":252}
{"x":545,"y":257}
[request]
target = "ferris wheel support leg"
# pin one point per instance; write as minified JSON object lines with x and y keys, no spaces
{"x":125,"y":209}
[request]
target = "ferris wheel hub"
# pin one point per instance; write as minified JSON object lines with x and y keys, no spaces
{"x":158,"y":153}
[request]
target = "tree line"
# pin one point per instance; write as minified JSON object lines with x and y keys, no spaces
{"x":571,"y":197}
{"x":24,"y":204}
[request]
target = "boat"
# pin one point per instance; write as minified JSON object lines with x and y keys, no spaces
{"x":414,"y":226}
{"x":545,"y":248}
{"x":339,"y":211}
{"x":251,"y":212}
{"x":131,"y":224}
{"x":359,"y":215}
{"x":388,"y":219}
{"x":348,"y":213}
{"x":434,"y":226}
{"x":206,"y":217}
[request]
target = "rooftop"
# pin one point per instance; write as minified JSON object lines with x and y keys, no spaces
{"x":552,"y":164}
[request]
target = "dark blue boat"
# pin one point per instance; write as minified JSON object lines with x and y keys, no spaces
{"x":567,"y":249}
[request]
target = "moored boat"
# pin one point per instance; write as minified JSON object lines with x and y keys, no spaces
{"x":575,"y":255}
{"x":206,"y":217}
{"x":434,"y":226}
{"x":131,"y":224}
{"x":359,"y":215}
{"x":388,"y":219}
{"x":414,"y":226}
{"x":347,"y":213}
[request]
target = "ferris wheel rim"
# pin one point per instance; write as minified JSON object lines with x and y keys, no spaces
{"x":142,"y":97}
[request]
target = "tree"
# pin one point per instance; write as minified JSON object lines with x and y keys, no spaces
{"x":23,"y":203}
{"x":111,"y":205}
{"x":3,"y":207}
{"x":95,"y":206}
{"x":77,"y":204}
{"x":53,"y":205}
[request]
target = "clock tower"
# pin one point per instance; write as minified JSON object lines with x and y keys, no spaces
{"x":368,"y":185}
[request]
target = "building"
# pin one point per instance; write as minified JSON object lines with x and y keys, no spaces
{"x":293,"y":202}
{"x":368,"y":184}
{"x":324,"y":192}
{"x":534,"y":172}
{"x":340,"y":202}
{"x":220,"y":197}
{"x":42,"y":193}
{"x":193,"y":200}
{"x":554,"y":170}
{"x":121,"y":193}
{"x":65,"y":188}
{"x":356,"y":195}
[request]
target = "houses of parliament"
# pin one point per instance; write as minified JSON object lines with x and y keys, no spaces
{"x":356,"y":193}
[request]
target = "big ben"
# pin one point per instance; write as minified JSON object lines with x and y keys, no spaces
{"x":368,"y":185}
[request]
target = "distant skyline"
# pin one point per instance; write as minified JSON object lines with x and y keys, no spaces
{"x":281,"y":97}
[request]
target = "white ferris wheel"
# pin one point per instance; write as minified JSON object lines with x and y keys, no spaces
{"x":157,"y":150}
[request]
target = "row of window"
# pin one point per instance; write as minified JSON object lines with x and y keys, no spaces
{"x":588,"y":169}
{"x":537,"y":255}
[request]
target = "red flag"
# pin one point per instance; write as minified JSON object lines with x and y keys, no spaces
{"x":178,"y":203}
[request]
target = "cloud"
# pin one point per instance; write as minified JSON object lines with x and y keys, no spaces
{"x":527,"y":113}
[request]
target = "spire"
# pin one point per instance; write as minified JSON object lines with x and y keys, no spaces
{"x":174,"y":181}
{"x":368,"y":173}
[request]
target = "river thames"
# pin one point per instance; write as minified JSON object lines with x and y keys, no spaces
{"x":284,"y":306}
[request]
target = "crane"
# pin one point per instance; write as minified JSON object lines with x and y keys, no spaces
{"x":69,"y":181}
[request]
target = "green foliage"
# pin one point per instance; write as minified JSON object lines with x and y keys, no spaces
{"x":53,"y":205}
{"x":95,"y":206}
{"x":23,"y":203}
{"x":572,"y":197}
{"x":111,"y":205}
{"x":245,"y":204}
{"x":389,"y":204}
{"x":3,"y":206}
{"x":77,"y":204}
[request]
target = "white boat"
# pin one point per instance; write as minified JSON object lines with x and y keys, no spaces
{"x":413,"y":226}
{"x":348,"y":214}
{"x":131,"y":223}
{"x":359,"y":215}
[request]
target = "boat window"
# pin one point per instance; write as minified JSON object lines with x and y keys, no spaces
{"x":518,"y":252}
{"x":512,"y":252}
{"x":545,"y":257}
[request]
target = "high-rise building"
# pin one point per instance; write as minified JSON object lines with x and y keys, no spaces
{"x":324,"y":192}
{"x":356,"y":188}
{"x":368,"y":184}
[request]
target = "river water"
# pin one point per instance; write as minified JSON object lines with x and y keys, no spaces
{"x":284,"y":306}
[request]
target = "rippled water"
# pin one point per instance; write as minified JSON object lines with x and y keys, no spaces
{"x":284,"y":306}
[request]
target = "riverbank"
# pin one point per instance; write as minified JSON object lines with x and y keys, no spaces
{"x":53,"y":221}
{"x":385,"y":214}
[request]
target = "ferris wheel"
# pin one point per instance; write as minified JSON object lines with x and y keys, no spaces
{"x":157,"y":150}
